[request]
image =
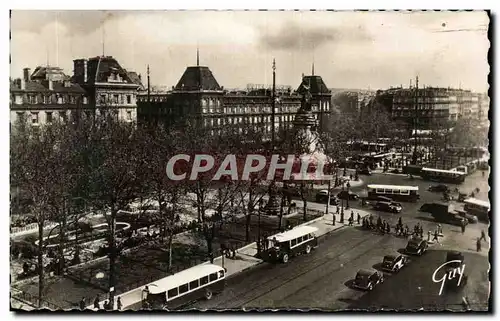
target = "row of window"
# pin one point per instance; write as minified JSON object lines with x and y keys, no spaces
{"x":300,"y":239}
{"x":48,"y":99}
{"x":115,"y":99}
{"x":266,"y":129}
{"x":63,"y":116}
{"x":172,"y":293}
{"x":246,"y":120}
{"x":392,"y":191}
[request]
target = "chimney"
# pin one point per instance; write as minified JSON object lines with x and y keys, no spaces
{"x":26,"y":74}
{"x":51,"y":84}
{"x":23,"y":84}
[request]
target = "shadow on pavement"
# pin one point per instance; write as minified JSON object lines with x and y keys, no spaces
{"x":426,"y":218}
{"x":378,"y":266}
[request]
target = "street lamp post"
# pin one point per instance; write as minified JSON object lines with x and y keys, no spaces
{"x":342,"y":205}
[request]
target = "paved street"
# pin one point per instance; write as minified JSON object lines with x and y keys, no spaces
{"x":321,"y":280}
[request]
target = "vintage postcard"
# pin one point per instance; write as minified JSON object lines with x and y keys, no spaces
{"x":249,"y":160}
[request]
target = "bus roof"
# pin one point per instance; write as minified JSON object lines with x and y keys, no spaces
{"x":410,"y":188}
{"x":441,"y":171}
{"x":183,"y":277}
{"x":477,"y":202}
{"x":293,"y":234}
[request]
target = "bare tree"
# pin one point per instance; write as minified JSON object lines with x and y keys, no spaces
{"x":35,"y":162}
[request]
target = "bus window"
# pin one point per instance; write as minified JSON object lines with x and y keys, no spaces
{"x":193,"y":285}
{"x":388,"y":191}
{"x":397,"y":191}
{"x":213,"y":277}
{"x":380,"y":190}
{"x":204,"y":280}
{"x":406,"y":192}
{"x":294,"y":242}
{"x":221,"y":274}
{"x":300,"y":239}
{"x":173,"y":293}
{"x":183,"y":288}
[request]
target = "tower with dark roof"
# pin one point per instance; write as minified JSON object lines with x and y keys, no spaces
{"x":321,"y":96}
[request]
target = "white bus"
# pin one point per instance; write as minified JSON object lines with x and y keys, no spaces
{"x":477,"y":207}
{"x":443,"y":176}
{"x":395,"y":192}
{"x":290,"y":243}
{"x":179,"y":289}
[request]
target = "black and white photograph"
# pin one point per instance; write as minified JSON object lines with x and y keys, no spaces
{"x":250,"y":160}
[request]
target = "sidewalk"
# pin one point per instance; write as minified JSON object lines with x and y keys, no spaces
{"x":245,"y":256}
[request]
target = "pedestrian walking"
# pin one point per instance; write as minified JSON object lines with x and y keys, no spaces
{"x":106,"y":305}
{"x":350,"y":221}
{"x":478,"y":245}
{"x":96,"y":302}
{"x":359,"y":218}
{"x":82,"y":304}
{"x":483,"y":235}
{"x":119,"y":304}
{"x":436,"y":236}
{"x":338,"y":209}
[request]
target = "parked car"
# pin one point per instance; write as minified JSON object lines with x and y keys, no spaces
{"x":345,"y":194}
{"x":416,"y":246}
{"x":394,"y":262}
{"x":440,"y":188}
{"x":469,"y":217}
{"x":365,"y":171}
{"x":392,"y":207}
{"x":367,"y":279}
{"x":322,"y":197}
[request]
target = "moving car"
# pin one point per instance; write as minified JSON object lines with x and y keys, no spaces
{"x":392,"y":207}
{"x":345,"y":194}
{"x":322,"y":197}
{"x":440,"y":188}
{"x":394,"y":262}
{"x":367,"y":279}
{"x":416,"y":246}
{"x":455,"y":261}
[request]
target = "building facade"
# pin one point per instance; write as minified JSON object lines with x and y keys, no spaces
{"x":44,"y":96}
{"x":199,"y":96}
{"x":110,"y":87}
{"x":99,"y":84}
{"x":428,"y":105}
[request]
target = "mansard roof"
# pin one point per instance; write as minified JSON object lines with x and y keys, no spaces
{"x":197,"y":78}
{"x":317,"y":85}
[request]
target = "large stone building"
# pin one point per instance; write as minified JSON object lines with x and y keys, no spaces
{"x":98,"y":84}
{"x":429,"y":105}
{"x":199,"y":96}
{"x":44,"y":96}
{"x":108,"y":86}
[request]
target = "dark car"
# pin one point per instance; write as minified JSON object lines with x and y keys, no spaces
{"x":365,"y":171}
{"x":368,"y":279}
{"x":416,"y":246}
{"x":469,"y":217}
{"x":322,"y":197}
{"x":392,"y":207}
{"x":440,"y":188}
{"x":345,"y":194}
{"x":394,"y":262}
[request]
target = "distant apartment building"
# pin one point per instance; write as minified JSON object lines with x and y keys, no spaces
{"x":428,"y":105}
{"x":44,"y":96}
{"x":109,"y":87}
{"x":199,"y":96}
{"x":99,"y":84}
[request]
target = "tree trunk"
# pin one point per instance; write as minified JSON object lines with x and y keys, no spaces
{"x":247,"y":226}
{"x":62,"y":239}
{"x":305,"y":209}
{"x":280,"y":218}
{"x":40,"y":263}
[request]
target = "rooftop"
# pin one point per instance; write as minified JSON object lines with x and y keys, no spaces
{"x":197,"y":78}
{"x":316,"y":83}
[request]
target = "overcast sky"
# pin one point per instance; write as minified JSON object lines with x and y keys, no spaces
{"x":350,"y":49}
